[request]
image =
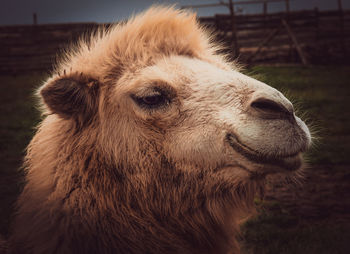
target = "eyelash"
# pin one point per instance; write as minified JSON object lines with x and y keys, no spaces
{"x":152,"y":101}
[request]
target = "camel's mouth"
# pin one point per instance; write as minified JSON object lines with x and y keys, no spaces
{"x":289,"y":162}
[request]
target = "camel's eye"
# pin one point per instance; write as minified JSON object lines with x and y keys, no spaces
{"x":153,"y":100}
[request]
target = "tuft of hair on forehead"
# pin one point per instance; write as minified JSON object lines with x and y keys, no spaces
{"x":155,"y":33}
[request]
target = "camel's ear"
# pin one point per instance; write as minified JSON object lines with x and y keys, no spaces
{"x":73,"y":96}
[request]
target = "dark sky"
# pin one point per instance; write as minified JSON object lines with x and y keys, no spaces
{"x":65,"y":11}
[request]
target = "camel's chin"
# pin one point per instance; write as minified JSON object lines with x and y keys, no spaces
{"x":270,"y":163}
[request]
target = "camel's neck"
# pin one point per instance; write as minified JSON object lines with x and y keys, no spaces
{"x":148,"y":208}
{"x":179,"y":209}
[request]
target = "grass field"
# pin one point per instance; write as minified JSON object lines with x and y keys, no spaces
{"x":322,"y":96}
{"x":322,"y":92}
{"x":17,"y":121}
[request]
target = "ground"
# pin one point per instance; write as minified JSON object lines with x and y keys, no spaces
{"x":310,"y":217}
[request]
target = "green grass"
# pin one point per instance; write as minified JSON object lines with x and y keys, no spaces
{"x":322,"y":92}
{"x":323,"y":95}
{"x":17,"y":120}
{"x":276,"y":231}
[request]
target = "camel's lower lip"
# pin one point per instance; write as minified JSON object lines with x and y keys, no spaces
{"x":285,"y":161}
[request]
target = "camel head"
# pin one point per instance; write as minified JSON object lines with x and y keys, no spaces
{"x":155,"y":89}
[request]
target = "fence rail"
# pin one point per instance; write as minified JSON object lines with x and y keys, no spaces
{"x":324,"y":37}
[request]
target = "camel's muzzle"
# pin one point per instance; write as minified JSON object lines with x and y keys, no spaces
{"x":286,"y":161}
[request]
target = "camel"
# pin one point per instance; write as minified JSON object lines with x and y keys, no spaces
{"x":151,"y":142}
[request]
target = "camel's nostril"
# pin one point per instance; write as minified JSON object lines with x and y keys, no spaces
{"x":270,"y":108}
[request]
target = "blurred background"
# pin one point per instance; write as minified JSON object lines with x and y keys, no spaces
{"x":300,"y":47}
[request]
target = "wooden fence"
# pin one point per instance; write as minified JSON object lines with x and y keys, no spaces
{"x":324,"y":37}
{"x":34,"y":47}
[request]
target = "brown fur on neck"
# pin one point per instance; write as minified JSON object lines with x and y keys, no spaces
{"x":94,"y":206}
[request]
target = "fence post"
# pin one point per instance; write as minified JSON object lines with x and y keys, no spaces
{"x":317,"y":24}
{"x":295,"y":42}
{"x":35,"y":19}
{"x":234,"y":30}
{"x":342,"y":30}
{"x":287,"y":10}
{"x":287,"y":6}
{"x":265,"y":13}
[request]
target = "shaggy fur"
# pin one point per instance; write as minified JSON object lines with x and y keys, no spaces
{"x":107,"y":173}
